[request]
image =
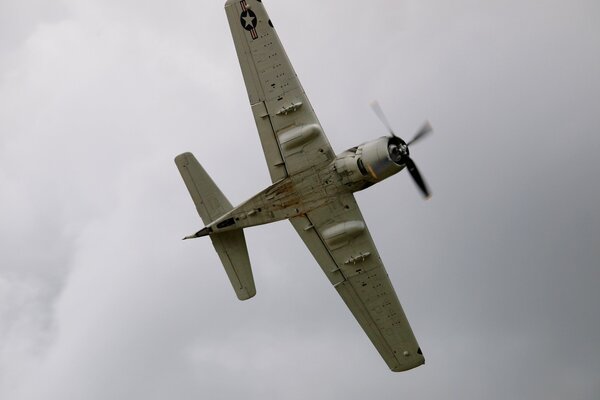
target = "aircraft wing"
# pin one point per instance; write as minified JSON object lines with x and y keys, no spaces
{"x":290,"y":133}
{"x":338,"y":238}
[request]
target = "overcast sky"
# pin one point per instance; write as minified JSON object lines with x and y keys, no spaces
{"x":498,"y":273}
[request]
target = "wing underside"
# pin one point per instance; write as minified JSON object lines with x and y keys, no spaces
{"x":293,"y":141}
{"x":290,"y":133}
{"x":339,"y":240}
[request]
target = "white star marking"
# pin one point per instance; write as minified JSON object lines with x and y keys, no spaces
{"x":248,"y":19}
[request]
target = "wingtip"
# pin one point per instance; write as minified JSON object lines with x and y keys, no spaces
{"x":246,"y":294}
{"x":183,"y":157}
{"x":406,"y":367}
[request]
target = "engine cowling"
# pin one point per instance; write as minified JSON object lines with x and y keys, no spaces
{"x":371,"y":162}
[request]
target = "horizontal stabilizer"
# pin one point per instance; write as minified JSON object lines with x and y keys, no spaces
{"x":208,"y":198}
{"x":211,"y":204}
{"x":232,"y":250}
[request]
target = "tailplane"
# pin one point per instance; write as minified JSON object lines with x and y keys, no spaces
{"x":211,"y":204}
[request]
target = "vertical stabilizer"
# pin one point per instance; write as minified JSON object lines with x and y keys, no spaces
{"x":211,"y":204}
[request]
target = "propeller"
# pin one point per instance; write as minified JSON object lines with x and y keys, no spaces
{"x":424,"y":131}
{"x":399,"y":149}
{"x":381,"y":115}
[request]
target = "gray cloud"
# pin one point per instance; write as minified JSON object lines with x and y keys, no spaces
{"x":498,"y":272}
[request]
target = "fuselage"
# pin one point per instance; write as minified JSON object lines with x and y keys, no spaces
{"x":352,"y":170}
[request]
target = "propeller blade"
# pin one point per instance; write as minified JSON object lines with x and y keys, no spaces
{"x":380,"y":114}
{"x":414,"y":172}
{"x":424,"y":131}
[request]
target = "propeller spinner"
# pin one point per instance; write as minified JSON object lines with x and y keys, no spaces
{"x":398,"y":148}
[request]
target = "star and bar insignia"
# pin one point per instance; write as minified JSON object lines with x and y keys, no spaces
{"x":248,"y":20}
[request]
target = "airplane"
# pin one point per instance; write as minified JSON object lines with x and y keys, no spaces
{"x":312,"y":187}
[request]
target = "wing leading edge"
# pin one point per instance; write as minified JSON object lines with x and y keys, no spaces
{"x":339,"y":240}
{"x":290,"y":133}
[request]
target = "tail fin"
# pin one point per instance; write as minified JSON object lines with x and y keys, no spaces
{"x":211,"y":204}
